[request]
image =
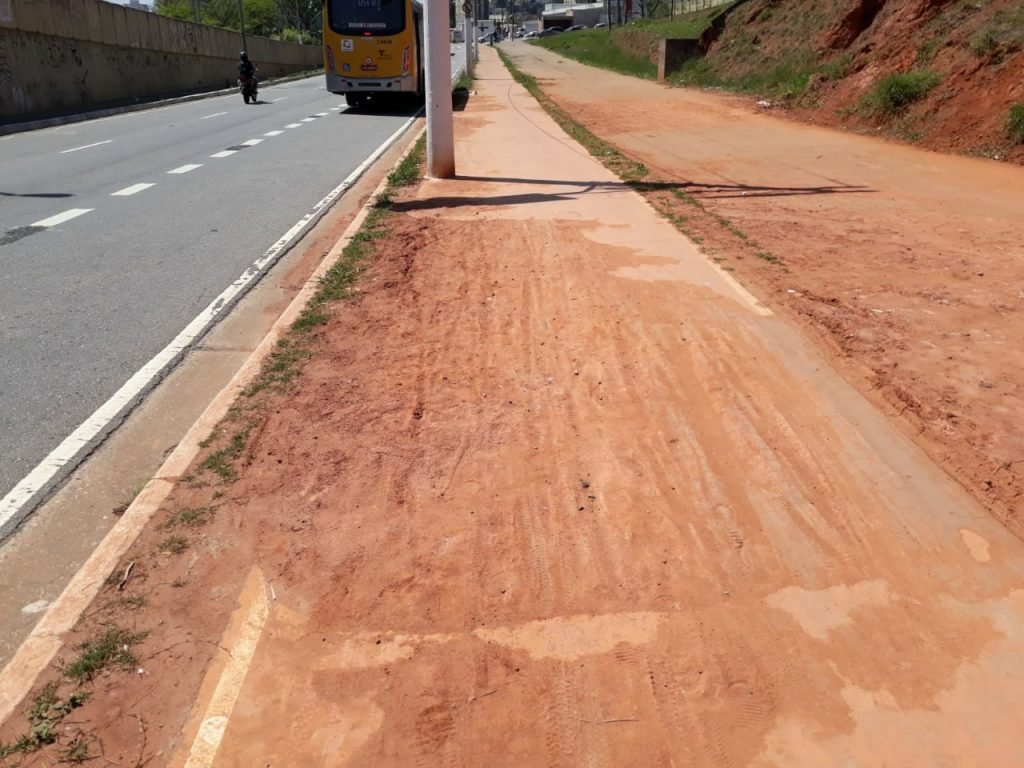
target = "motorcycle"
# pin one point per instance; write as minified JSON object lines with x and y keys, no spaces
{"x":248,"y":87}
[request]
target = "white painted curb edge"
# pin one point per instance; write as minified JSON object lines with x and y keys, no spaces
{"x":46,"y":639}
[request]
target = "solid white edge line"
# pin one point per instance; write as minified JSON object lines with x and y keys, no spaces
{"x":87,"y":146}
{"x":73,"y":447}
{"x":215,"y":114}
{"x":185,"y":168}
{"x":134,"y":189}
{"x":60,"y":218}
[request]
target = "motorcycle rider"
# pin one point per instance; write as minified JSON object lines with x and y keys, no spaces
{"x":245,"y":67}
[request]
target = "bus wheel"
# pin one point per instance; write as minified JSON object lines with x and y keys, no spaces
{"x":355,"y":99}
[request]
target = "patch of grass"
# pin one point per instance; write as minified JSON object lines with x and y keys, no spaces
{"x":190,"y":517}
{"x":625,"y":167}
{"x":407,"y":172}
{"x":178,"y":583}
{"x":1015,"y":124}
{"x":926,"y":53}
{"x":984,"y":43}
{"x":597,"y":48}
{"x":893,"y":94}
{"x":464,"y":83}
{"x":222,"y":462}
{"x":174,"y":545}
{"x":111,"y":649}
{"x":771,"y":258}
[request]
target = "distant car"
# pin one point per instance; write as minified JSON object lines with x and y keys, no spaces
{"x":576,"y":27}
{"x":551,"y":32}
{"x":600,"y":25}
{"x":483,"y":38}
{"x":531,"y":34}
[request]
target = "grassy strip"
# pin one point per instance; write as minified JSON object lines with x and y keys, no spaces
{"x":1015,"y":124}
{"x":634,"y":173}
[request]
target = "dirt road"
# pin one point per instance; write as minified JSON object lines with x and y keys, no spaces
{"x":556,"y":491}
{"x":907,"y":266}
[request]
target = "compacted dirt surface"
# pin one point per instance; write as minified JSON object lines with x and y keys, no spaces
{"x":554,"y":490}
{"x":907,"y":265}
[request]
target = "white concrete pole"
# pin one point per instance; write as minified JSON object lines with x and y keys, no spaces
{"x":440,"y":129}
{"x":467,"y":32}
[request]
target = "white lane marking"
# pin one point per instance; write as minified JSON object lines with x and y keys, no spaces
{"x":273,"y":133}
{"x":215,"y":114}
{"x":80,"y":442}
{"x":252,"y":142}
{"x":87,"y":146}
{"x":335,"y":109}
{"x":186,"y":168}
{"x":282,"y":98}
{"x":239,"y":658}
{"x":294,"y":125}
{"x":224,"y":153}
{"x":307,"y":120}
{"x":134,"y":189}
{"x":60,"y":218}
{"x":322,"y":114}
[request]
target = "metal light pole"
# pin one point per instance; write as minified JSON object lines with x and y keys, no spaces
{"x":440,"y":128}
{"x":467,"y":33}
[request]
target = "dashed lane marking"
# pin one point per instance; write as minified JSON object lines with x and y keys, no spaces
{"x":134,"y":189}
{"x":186,"y":168}
{"x":294,"y":125}
{"x":307,"y":120}
{"x":215,"y":114}
{"x":252,"y":142}
{"x":224,"y":153}
{"x":273,"y":133}
{"x":60,"y":218}
{"x":87,"y":146}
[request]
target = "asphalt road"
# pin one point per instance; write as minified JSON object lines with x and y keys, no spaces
{"x":116,"y":233}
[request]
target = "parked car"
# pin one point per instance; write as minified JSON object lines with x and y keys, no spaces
{"x":551,"y":32}
{"x":576,"y":27}
{"x":531,"y":34}
{"x":600,"y":25}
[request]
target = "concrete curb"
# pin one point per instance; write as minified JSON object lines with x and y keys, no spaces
{"x":38,"y":650}
{"x":81,"y":117}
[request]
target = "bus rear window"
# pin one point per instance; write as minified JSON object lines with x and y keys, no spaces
{"x":374,"y":17}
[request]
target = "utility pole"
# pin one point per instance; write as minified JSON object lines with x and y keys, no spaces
{"x":467,"y":33}
{"x":440,"y":128}
{"x":241,"y":23}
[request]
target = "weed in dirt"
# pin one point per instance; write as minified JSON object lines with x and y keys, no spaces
{"x":893,"y":94}
{"x":771,"y":258}
{"x":222,"y":462}
{"x":1015,"y":124}
{"x":111,"y":649}
{"x":926,"y":53}
{"x":190,"y":517}
{"x":46,"y":711}
{"x":77,"y":752}
{"x":178,"y":583}
{"x":174,"y":545}
{"x":132,"y":602}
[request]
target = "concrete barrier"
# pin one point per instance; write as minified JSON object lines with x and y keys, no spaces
{"x":672,"y":53}
{"x":60,"y":56}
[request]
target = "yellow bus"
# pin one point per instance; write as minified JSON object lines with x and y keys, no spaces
{"x":373,"y":49}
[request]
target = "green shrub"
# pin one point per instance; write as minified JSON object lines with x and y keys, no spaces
{"x":895,"y":93}
{"x":1015,"y":124}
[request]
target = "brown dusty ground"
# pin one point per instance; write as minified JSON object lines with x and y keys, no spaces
{"x":555,"y":491}
{"x":906,"y":265}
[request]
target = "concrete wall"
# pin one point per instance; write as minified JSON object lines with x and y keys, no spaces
{"x":71,"y":55}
